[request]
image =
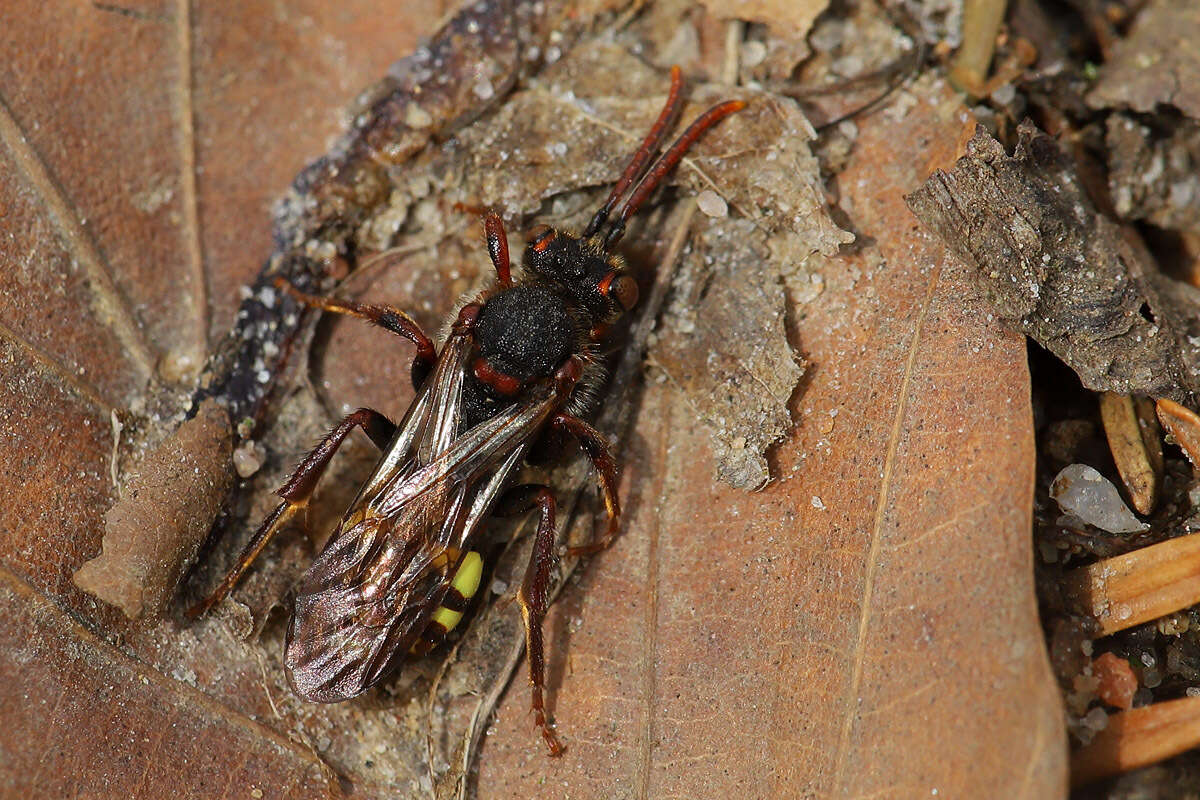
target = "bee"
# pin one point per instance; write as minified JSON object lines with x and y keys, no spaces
{"x":520,"y":359}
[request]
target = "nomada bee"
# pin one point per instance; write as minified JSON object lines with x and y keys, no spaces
{"x":520,"y":358}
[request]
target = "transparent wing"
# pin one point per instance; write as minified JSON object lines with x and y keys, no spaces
{"x":370,"y":593}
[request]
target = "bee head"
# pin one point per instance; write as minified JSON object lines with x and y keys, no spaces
{"x":593,"y":277}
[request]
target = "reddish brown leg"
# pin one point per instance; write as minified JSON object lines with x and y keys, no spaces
{"x":497,"y":244}
{"x":296,"y":494}
{"x":534,"y":596}
{"x":387,"y":317}
{"x":596,"y":447}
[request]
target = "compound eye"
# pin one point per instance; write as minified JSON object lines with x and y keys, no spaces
{"x":621,"y":288}
{"x":540,"y":237}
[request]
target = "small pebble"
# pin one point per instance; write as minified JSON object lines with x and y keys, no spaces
{"x":1083,"y":492}
{"x":1096,"y":719}
{"x":1118,"y":682}
{"x":248,"y":458}
{"x":417,"y":117}
{"x":712,"y":204}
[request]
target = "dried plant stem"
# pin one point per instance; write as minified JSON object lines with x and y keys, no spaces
{"x":1136,"y":448}
{"x":1137,"y":587}
{"x":1184,"y":425}
{"x":981,"y":22}
{"x":1138,"y":738}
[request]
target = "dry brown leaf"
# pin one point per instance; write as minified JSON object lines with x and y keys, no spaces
{"x":857,"y":615}
{"x":106,"y":724}
{"x":140,"y":152}
{"x":842,"y":632}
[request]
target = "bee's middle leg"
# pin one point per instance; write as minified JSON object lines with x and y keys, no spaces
{"x":595,"y":446}
{"x":296,"y":493}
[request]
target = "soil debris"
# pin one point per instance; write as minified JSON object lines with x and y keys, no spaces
{"x":153,"y":533}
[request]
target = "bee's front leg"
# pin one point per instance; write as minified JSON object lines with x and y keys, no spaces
{"x":296,"y":494}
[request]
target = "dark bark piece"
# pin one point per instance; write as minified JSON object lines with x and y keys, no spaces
{"x":1052,"y":267}
{"x":152,"y":534}
{"x":1158,"y":63}
{"x":1154,"y":170}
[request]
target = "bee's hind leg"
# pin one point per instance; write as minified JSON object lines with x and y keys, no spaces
{"x":296,"y":494}
{"x":534,"y":596}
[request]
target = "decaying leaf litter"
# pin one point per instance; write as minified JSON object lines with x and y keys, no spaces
{"x":1086,"y":241}
{"x":383,"y":188}
{"x":551,"y":138}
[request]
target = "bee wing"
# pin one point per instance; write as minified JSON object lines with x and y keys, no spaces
{"x":429,"y":425}
{"x":370,"y":593}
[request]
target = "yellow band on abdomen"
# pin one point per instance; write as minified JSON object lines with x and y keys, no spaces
{"x":466,"y":582}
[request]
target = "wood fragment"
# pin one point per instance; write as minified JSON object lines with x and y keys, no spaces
{"x":1138,"y":738}
{"x":1184,"y":425}
{"x":1055,"y":268}
{"x":1127,"y":590}
{"x":1135,"y":447}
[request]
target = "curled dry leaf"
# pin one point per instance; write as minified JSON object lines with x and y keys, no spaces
{"x":153,"y":533}
{"x":1054,"y":268}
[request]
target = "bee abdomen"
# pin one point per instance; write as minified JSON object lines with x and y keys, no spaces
{"x":458,"y":595}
